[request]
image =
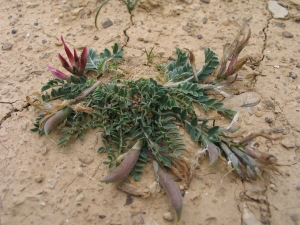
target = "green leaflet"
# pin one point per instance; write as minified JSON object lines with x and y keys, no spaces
{"x":98,"y":62}
{"x":211,"y":62}
{"x":181,"y":69}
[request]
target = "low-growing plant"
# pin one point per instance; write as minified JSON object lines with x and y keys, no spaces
{"x":145,"y":116}
{"x":149,"y":55}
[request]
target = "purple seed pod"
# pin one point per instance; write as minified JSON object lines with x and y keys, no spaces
{"x":123,"y":170}
{"x":170,"y":188}
{"x":56,"y":119}
{"x":88,"y":91}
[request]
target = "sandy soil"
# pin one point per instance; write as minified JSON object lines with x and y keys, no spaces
{"x":41,"y":183}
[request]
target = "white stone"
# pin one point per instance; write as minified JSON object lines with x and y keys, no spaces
{"x":178,"y":7}
{"x":277,"y":10}
{"x":75,"y":12}
{"x":31,"y":4}
{"x":168,"y":216}
{"x":248,"y":217}
{"x":56,"y":21}
{"x":80,"y":197}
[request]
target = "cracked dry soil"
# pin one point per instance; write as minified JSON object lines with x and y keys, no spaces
{"x":44,"y":184}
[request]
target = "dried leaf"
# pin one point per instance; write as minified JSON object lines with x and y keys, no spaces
{"x":81,"y":108}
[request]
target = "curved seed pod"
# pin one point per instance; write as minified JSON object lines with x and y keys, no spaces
{"x":126,"y":166}
{"x":213,"y":151}
{"x":88,"y":91}
{"x":56,"y":119}
{"x":236,"y":164}
{"x":170,"y":188}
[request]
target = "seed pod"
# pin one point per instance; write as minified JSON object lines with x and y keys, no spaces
{"x":88,"y":91}
{"x":213,"y":151}
{"x":170,"y":188}
{"x":59,"y":117}
{"x":126,"y":165}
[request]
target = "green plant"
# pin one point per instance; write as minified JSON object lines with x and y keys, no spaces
{"x":150,"y":55}
{"x":130,"y":5}
{"x":147,"y":115}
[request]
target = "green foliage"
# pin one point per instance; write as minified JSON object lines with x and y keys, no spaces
{"x":64,"y":89}
{"x":77,"y":123}
{"x":98,"y":62}
{"x":150,"y":55}
{"x":211,"y":62}
{"x":36,"y":125}
{"x":138,"y":109}
{"x":130,"y":4}
{"x":180,"y":69}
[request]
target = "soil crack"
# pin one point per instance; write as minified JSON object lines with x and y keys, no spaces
{"x":265,"y":38}
{"x":12,"y":110}
{"x":125,"y":31}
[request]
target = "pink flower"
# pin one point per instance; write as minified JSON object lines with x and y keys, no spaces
{"x":77,"y":64}
{"x":58,"y":74}
{"x":83,"y":60}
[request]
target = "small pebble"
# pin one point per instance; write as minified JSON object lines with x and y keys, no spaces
{"x":117,"y":21}
{"x":56,"y":21}
{"x":13,"y":31}
{"x":36,"y":23}
{"x":85,"y":158}
{"x":258,"y":113}
{"x":80,"y":197}
{"x":298,"y":187}
{"x":199,"y":36}
{"x":44,"y":41}
{"x":269,"y":104}
{"x":205,"y":1}
{"x":107,"y":23}
{"x":288,"y":142}
{"x":293,"y":75}
{"x":6,"y":46}
{"x":269,"y":120}
{"x":96,"y":38}
{"x":204,"y":20}
{"x":281,"y":25}
{"x":101,"y":216}
{"x":51,"y":186}
{"x":79,"y":190}
{"x":79,"y":173}
{"x":273,"y":187}
{"x":168,"y":216}
{"x":38,"y":179}
{"x":88,"y":12}
{"x":58,"y":43}
{"x":287,"y":34}
{"x":178,"y":7}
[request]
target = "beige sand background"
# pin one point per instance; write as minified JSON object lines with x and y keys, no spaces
{"x":41,"y":183}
